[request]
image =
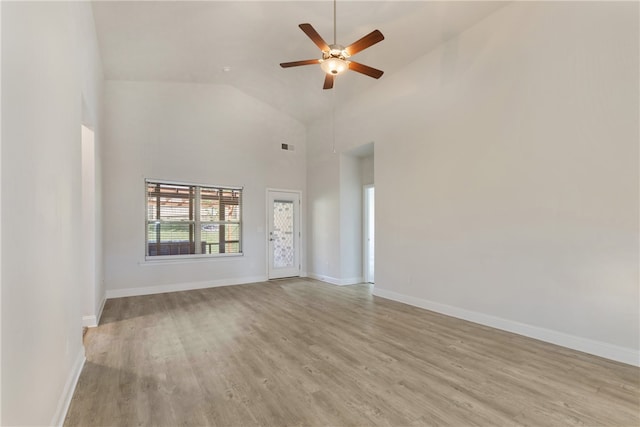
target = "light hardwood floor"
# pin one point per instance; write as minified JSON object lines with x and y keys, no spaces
{"x":300,"y":352}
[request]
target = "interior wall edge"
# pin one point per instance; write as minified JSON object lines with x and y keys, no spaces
{"x":585,"y":345}
{"x":101,"y":308}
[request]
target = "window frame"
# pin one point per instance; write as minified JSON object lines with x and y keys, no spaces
{"x":195,"y":222}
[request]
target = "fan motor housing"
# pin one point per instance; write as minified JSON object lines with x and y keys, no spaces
{"x":335,"y":51}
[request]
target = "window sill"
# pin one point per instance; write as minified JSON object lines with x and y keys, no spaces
{"x":185,"y":259}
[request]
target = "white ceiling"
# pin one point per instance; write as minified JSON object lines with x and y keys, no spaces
{"x":184,"y":41}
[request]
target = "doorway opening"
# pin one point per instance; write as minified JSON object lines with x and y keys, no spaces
{"x":368,"y":233}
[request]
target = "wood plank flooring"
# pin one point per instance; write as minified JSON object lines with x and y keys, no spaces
{"x":300,"y":352}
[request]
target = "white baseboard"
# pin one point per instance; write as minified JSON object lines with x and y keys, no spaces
{"x":93,"y":320}
{"x":335,"y":281}
{"x":177,"y":287}
{"x":89,"y":321}
{"x":352,"y":280}
{"x":69,"y":388}
{"x":598,"y":348}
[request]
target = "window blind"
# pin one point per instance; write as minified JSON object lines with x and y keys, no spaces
{"x":189,"y":219}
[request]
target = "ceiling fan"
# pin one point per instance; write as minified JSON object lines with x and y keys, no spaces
{"x":335,"y":57}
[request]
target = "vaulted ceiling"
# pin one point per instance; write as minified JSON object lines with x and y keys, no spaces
{"x":184,"y":41}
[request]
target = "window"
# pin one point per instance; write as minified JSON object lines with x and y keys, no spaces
{"x":192,"y":220}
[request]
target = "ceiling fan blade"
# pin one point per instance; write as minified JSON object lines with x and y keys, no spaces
{"x":365,"y":69}
{"x":370,"y":39}
{"x":328,"y":81}
{"x":298,"y":63}
{"x":314,"y":36}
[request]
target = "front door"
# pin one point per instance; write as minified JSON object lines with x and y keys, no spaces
{"x":283,"y":237}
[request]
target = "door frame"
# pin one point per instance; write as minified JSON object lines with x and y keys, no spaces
{"x":297,"y":226}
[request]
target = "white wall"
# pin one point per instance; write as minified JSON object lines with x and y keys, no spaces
{"x":210,"y":134}
{"x":42,"y":90}
{"x":323,"y":186}
{"x":350,"y":219}
{"x":506,"y":169}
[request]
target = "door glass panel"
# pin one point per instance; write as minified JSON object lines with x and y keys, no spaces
{"x":283,"y":238}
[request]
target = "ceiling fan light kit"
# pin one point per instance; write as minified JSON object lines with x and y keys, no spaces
{"x":335,"y":57}
{"x":333,"y":64}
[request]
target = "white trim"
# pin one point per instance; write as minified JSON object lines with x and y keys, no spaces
{"x":284,"y":190}
{"x":336,"y":281}
{"x":93,"y":320}
{"x":597,"y":348}
{"x":89,"y":321}
{"x":177,"y":287}
{"x":69,"y":389}
{"x":172,"y":259}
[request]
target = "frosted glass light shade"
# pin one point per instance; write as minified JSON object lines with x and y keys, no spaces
{"x":334,"y":65}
